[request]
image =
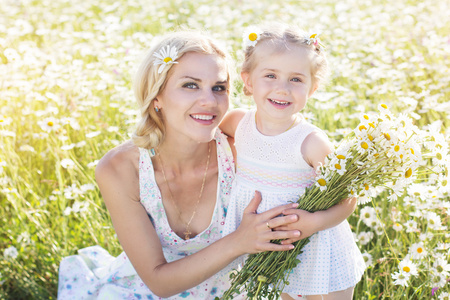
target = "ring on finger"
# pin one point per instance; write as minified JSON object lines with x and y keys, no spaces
{"x":268,"y":226}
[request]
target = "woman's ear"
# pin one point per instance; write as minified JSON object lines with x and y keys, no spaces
{"x":156,"y":105}
{"x":247,"y":82}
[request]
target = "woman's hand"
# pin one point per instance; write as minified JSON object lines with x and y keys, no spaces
{"x":255,"y":231}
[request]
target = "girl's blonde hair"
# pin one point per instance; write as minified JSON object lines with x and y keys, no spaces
{"x":280,"y":37}
{"x":148,"y":83}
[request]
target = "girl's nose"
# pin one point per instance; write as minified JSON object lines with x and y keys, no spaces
{"x":282,"y":88}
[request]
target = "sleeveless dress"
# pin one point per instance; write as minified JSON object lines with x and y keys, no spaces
{"x":95,"y":274}
{"x":274,"y":165}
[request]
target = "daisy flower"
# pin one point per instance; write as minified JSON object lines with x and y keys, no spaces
{"x":411,"y":226}
{"x":444,"y":296}
{"x":442,"y":267}
{"x":251,"y":36}
{"x":338,"y":166}
{"x":321,"y":182}
{"x":418,"y":251}
{"x":67,"y":163}
{"x":408,"y":267}
{"x":10,"y":252}
{"x":49,"y":124}
{"x":166,"y":56}
{"x":368,"y":216}
{"x":400,"y":278}
{"x":365,"y":237}
{"x":367,"y":258}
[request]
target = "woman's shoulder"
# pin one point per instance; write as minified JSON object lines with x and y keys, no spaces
{"x":119,"y":163}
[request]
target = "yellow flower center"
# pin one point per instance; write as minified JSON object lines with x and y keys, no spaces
{"x":50,"y":123}
{"x":366,"y":117}
{"x":340,"y":156}
{"x":387,"y":136}
{"x":412,"y":150}
{"x":384,"y":106}
{"x":444,"y":182}
{"x":362,"y":127}
{"x":406,"y":269}
{"x":167,"y":59}
{"x":262,"y":278}
{"x":252,"y":36}
{"x":364,"y":145}
{"x":396,"y":148}
{"x":367,"y":215}
{"x":322,"y":182}
{"x":338,"y":166}
{"x":370,"y":137}
{"x":419,"y":250}
{"x":408,"y":173}
{"x":401,"y":156}
{"x":313,"y":36}
{"x":366,"y":187}
{"x":403,"y":123}
{"x":439,"y":156}
{"x":371,"y":125}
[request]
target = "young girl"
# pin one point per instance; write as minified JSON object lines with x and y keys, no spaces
{"x":278,"y":152}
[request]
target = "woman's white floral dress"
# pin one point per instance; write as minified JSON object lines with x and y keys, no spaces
{"x":95,"y":274}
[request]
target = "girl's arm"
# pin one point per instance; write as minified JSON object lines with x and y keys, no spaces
{"x":117,"y":176}
{"x":231,"y":121}
{"x":315,"y":148}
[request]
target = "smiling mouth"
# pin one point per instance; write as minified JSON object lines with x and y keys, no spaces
{"x":278,"y":102}
{"x":204,"y":117}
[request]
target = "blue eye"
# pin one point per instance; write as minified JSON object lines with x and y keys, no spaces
{"x":296,"y":79}
{"x":190,"y":85}
{"x":219,"y":88}
{"x":270,"y":76}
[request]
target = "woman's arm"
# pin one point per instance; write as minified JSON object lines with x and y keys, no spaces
{"x":315,"y":148}
{"x":117,"y":175}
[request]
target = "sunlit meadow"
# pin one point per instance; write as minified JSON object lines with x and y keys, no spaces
{"x":65,"y":99}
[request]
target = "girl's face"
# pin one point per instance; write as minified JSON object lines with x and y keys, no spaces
{"x":195,"y":97}
{"x":280,"y":82}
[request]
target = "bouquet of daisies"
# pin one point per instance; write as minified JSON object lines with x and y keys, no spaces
{"x":384,"y":152}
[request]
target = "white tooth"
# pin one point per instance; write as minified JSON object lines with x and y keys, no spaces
{"x":203,"y":117}
{"x":278,"y":102}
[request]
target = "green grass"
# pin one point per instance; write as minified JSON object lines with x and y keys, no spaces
{"x":73,"y":62}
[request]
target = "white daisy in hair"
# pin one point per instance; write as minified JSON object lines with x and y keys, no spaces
{"x":166,"y":56}
{"x":251,"y":36}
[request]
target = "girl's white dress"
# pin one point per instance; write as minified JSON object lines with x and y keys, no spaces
{"x":95,"y":274}
{"x":274,"y":165}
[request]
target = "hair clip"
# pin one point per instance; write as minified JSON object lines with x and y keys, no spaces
{"x":166,"y":56}
{"x":251,"y":36}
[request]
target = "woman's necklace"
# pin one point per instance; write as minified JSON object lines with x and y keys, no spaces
{"x":187,"y":232}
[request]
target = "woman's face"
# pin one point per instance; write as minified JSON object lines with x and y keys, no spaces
{"x":195,"y":97}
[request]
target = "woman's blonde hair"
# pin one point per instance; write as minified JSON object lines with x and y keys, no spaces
{"x":280,"y":37}
{"x":148,"y":83}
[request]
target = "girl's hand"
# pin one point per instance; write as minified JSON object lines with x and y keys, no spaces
{"x":308,"y":223}
{"x":255,"y":231}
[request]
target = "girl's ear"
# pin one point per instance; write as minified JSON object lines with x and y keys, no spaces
{"x":247,"y":82}
{"x":313,"y":89}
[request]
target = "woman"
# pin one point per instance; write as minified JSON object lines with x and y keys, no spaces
{"x":167,"y":190}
